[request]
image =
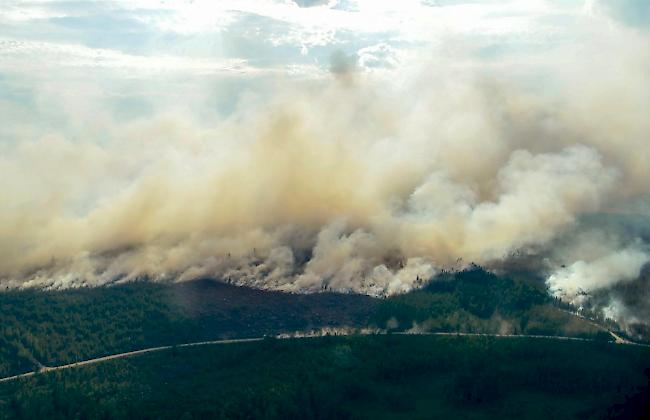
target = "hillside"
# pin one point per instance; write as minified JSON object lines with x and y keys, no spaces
{"x":58,"y":327}
{"x":475,"y":300}
{"x":64,"y":326}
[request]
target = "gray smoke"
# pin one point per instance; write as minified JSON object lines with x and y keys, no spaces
{"x":361,"y":186}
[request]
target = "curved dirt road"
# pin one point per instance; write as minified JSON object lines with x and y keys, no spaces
{"x":45,"y":369}
{"x":126,"y":354}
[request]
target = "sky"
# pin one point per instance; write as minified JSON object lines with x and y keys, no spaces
{"x":359,"y":146}
{"x":140,"y":57}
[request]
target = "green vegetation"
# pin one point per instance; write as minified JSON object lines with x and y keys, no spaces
{"x":387,"y":376}
{"x":59,"y":327}
{"x":478,"y":301}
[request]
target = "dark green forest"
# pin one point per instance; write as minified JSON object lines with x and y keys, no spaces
{"x":478,"y":301}
{"x":57,"y":327}
{"x":389,"y":376}
{"x":60,"y":327}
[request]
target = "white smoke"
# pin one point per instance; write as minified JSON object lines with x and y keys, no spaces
{"x":355,"y":183}
{"x":576,"y":281}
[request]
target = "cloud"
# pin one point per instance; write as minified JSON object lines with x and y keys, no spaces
{"x":28,"y":54}
{"x":378,"y":56}
{"x":311,"y":3}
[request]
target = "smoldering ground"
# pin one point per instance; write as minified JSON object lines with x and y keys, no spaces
{"x":355,"y":184}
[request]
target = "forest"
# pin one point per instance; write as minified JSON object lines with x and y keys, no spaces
{"x":378,"y":376}
{"x":57,"y":327}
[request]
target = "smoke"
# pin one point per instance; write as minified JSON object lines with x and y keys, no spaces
{"x":581,"y":277}
{"x":599,"y":264}
{"x":351,"y":183}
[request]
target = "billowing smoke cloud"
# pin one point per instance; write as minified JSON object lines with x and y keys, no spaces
{"x":574,"y":281}
{"x":354,"y":185}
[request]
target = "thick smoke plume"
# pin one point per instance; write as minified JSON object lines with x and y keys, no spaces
{"x":352,"y":185}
